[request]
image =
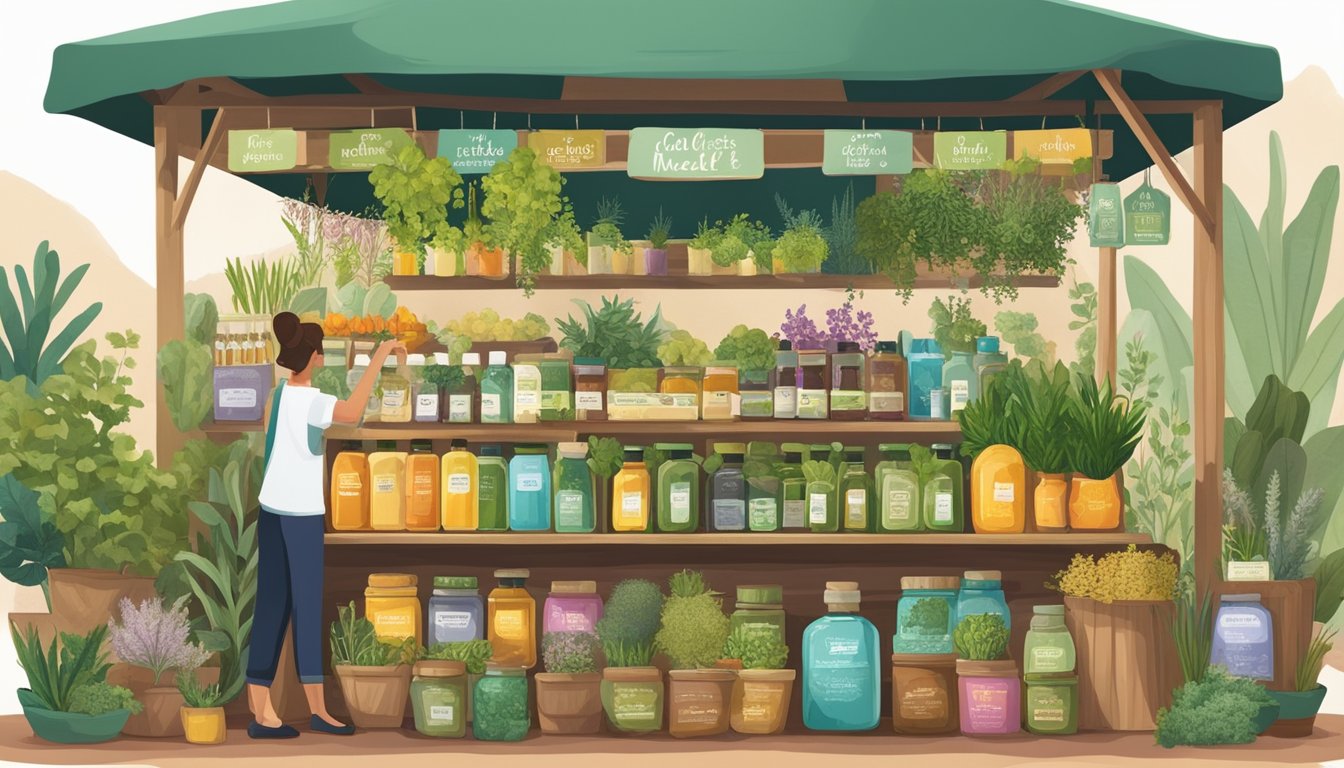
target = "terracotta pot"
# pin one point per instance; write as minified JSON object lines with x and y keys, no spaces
{"x":569,"y":704}
{"x":1095,"y":505}
{"x":1050,"y":502}
{"x":492,"y":262}
{"x":84,"y":598}
{"x":734,"y":664}
{"x":204,"y":725}
{"x":376,"y":696}
{"x":162,"y":714}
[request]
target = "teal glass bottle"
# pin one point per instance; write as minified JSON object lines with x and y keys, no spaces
{"x":497,"y":391}
{"x":841,"y":675}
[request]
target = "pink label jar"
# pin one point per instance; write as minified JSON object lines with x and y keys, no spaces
{"x":572,"y":606}
{"x":991,"y":697}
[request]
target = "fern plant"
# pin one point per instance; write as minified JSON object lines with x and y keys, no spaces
{"x":996,"y":417}
{"x":1105,"y":429}
{"x":615,"y":333}
{"x":28,"y":321}
{"x":659,"y":231}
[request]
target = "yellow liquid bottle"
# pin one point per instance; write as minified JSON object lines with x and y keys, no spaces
{"x":422,"y":488}
{"x":387,"y":488}
{"x":512,"y":620}
{"x":460,"y":504}
{"x":998,"y":491}
{"x":630,"y":493}
{"x":350,"y":490}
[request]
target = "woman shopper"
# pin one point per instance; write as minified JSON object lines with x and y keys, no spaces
{"x":291,"y":525}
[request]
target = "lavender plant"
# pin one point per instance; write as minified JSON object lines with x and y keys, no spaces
{"x":844,"y":323}
{"x":569,"y":652}
{"x":154,"y":636}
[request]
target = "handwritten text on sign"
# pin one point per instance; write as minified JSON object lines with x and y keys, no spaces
{"x":274,"y":150}
{"x":867,"y":153}
{"x":476,"y":151}
{"x":1053,"y":146}
{"x":365,"y":148}
{"x":970,"y":150}
{"x":696,"y":153}
{"x":570,"y":150}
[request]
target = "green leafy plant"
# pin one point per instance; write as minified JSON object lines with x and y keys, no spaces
{"x":522,"y":201}
{"x":27,"y":322}
{"x":415,"y":191}
{"x":607,"y":229}
{"x":1288,"y":536}
{"x":751,"y":348}
{"x":706,"y":236}
{"x":570,"y":653}
{"x":802,"y":247}
{"x":1019,"y":329}
{"x":615,"y":333}
{"x":1192,"y":629}
{"x":842,"y":237}
{"x":1243,"y":524}
{"x":954,"y":327}
{"x":681,"y":348}
{"x":631,"y":615}
{"x":659,"y":231}
{"x":1043,"y":397}
{"x":605,"y":456}
{"x":1084,"y":308}
{"x":1220,"y":709}
{"x":693,"y":626}
{"x":186,"y":369}
{"x":1329,"y":586}
{"x":1308,"y":671}
{"x":445,"y":377}
{"x":29,"y":542}
{"x":262,"y":287}
{"x":473,"y":653}
{"x":103,"y":697}
{"x":57,"y":671}
{"x":929,"y":616}
{"x":981,"y":637}
{"x":1028,"y":222}
{"x":933,"y":219}
{"x":756,"y":650}
{"x":736,"y":238}
{"x":355,"y":643}
{"x":196,"y":695}
{"x":1106,"y":428}
{"x":621,"y":654}
{"x":996,"y":417}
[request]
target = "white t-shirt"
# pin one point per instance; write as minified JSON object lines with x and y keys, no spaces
{"x":293,"y":481}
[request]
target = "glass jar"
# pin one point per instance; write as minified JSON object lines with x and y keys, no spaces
{"x":575,"y":491}
{"x":678,"y":490}
{"x":757,"y":389}
{"x":428,"y":396}
{"x":1243,"y":637}
{"x":396,"y":405}
{"x":590,"y":389}
{"x":511,"y":615}
{"x":391,"y":604}
{"x":456,"y":611}
{"x":982,"y":592}
{"x":786,"y":381}
{"x":572,"y":606}
{"x":763,"y":492}
{"x":849,"y":402}
{"x":499,"y":705}
{"x":728,"y":490}
{"x":439,"y":698}
{"x":813,"y":384}
{"x":886,"y":382}
{"x":926,"y":615}
{"x":760,"y":611}
{"x":924,"y":693}
{"x":680,"y":380}
{"x":1052,"y":704}
{"x":1049,"y":648}
{"x":719,"y":390}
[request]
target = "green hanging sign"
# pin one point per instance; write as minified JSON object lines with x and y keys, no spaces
{"x":270,"y":150}
{"x":970,"y":150}
{"x":362,"y":149}
{"x":867,"y":153}
{"x":696,"y":153}
{"x":1105,"y":216}
{"x":1147,"y":215}
{"x":476,"y":151}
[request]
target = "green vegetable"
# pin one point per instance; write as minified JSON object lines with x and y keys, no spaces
{"x":631,"y":614}
{"x":934,"y":219}
{"x":196,"y":695}
{"x":756,"y":650}
{"x":415,"y":191}
{"x":523,"y":201}
{"x":751,"y":348}
{"x":1106,"y":429}
{"x":605,"y":456}
{"x":694,"y":627}
{"x":328,"y":381}
{"x":615,"y":333}
{"x":56,"y":672}
{"x":659,"y":231}
{"x":354,"y":642}
{"x":981,"y":637}
{"x":954,"y":327}
{"x":802,"y":248}
{"x":1220,"y":709}
{"x":444,"y":377}
{"x":929,"y":616}
{"x":681,"y":348}
{"x":103,"y":697}
{"x":473,"y":653}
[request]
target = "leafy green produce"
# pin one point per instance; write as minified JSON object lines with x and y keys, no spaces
{"x":56,"y":672}
{"x":186,"y":369}
{"x":354,"y":642}
{"x":443,"y":376}
{"x":415,"y":191}
{"x":473,"y":653}
{"x":981,"y":637}
{"x":1106,"y":429}
{"x":523,"y":201}
{"x":681,"y":348}
{"x":605,"y":456}
{"x":615,"y":333}
{"x":1028,"y":222}
{"x":693,"y":626}
{"x":756,"y":650}
{"x":928,"y":616}
{"x":751,"y":348}
{"x":954,"y":327}
{"x":801,"y":249}
{"x":632,"y":613}
{"x":1220,"y":709}
{"x":103,"y":697}
{"x":934,"y":219}
{"x":571,"y":653}
{"x":329,"y":381}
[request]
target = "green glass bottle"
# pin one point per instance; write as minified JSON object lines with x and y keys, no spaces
{"x":678,"y":490}
{"x":823,"y":514}
{"x":941,"y":497}
{"x":493,"y":494}
{"x":897,"y":504}
{"x":792,"y":489}
{"x":856,"y":492}
{"x":763,"y":503}
{"x":574,"y":490}
{"x":497,"y":391}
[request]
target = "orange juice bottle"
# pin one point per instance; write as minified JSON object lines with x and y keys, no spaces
{"x":998,"y":491}
{"x":350,"y":489}
{"x":630,"y":493}
{"x":422,"y":487}
{"x":387,"y":487}
{"x":460,"y":506}
{"x":512,"y":620}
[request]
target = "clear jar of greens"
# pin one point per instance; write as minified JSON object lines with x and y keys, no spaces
{"x":926,"y":615}
{"x":499,"y":705}
{"x":574,"y":490}
{"x":439,"y":698}
{"x":763,"y":495}
{"x":678,"y":489}
{"x":757,"y":392}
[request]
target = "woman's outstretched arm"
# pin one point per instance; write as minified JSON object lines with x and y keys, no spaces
{"x":351,"y":409}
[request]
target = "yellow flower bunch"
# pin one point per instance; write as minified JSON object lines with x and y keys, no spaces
{"x":1128,"y":575}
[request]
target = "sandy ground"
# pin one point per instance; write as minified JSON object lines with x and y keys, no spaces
{"x":17,"y":744}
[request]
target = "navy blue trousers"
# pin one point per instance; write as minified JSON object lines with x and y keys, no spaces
{"x":289,"y":593}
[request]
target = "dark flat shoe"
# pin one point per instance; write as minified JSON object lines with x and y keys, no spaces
{"x":256,"y":730}
{"x":322,"y":726}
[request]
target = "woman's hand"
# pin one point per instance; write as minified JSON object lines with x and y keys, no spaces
{"x":391,"y":347}
{"x":351,"y":410}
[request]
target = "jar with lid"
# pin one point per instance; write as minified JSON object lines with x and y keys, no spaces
{"x":926,"y":615}
{"x":1243,"y":637}
{"x":1052,"y":704}
{"x":574,"y":490}
{"x":719,"y":393}
{"x":590,"y":389}
{"x":757,"y":389}
{"x":849,"y":401}
{"x":982,"y":592}
{"x":760,"y":611}
{"x":439,"y":698}
{"x":572,"y":606}
{"x":1049,"y":648}
{"x":924,"y":694}
{"x":391,"y":604}
{"x":728,"y":490}
{"x":678,"y":507}
{"x":512,"y":619}
{"x":499,"y":704}
{"x":396,"y":384}
{"x":456,"y":610}
{"x":887,"y":382}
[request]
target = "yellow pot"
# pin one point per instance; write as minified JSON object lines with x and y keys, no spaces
{"x":747,"y":266}
{"x":1095,"y":505}
{"x":1051,"y":503}
{"x":204,"y":726}
{"x":405,"y":263}
{"x":620,"y":262}
{"x":698,"y":262}
{"x":447,"y":263}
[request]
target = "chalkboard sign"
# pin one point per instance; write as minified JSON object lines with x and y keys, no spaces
{"x":696,"y":153}
{"x":970,"y":150}
{"x":570,"y":150}
{"x":362,"y":149}
{"x":271,"y":150}
{"x":867,"y":153}
{"x":1057,"y":146}
{"x":1147,"y":215}
{"x":476,"y":151}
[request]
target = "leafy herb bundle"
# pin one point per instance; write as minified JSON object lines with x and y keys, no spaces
{"x":996,"y":417}
{"x":1106,"y":428}
{"x":354,"y":642}
{"x":981,"y":637}
{"x":615,"y":333}
{"x":755,"y":649}
{"x":751,"y":348}
{"x":473,"y":653}
{"x":1043,"y":397}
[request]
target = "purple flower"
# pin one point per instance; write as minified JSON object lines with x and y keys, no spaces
{"x":154,"y":636}
{"x":842,"y":324}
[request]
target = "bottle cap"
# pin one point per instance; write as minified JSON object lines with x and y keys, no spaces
{"x":499,"y":357}
{"x":942,"y":450}
{"x":760,"y":594}
{"x":847,"y":346}
{"x":455,"y":582}
{"x":785,"y":345}
{"x":392,"y":580}
{"x":983,"y":575}
{"x":894,"y":447}
{"x":495,"y":669}
{"x":439,"y":668}
{"x":1249,"y":597}
{"x":842,"y":593}
{"x":731,"y":449}
{"x":442,"y":358}
{"x":573,"y":450}
{"x":574,"y":587}
{"x":492,"y":450}
{"x":362,"y":361}
{"x":888,"y":346}
{"x":457,"y":443}
{"x":1048,"y":610}
{"x":531,"y":449}
{"x":930,"y":582}
{"x":471,"y":358}
{"x":415,"y":359}
{"x":422,"y":446}
{"x":987,"y":344}
{"x":634,"y":453}
{"x":854,"y":453}
{"x":512,"y":573}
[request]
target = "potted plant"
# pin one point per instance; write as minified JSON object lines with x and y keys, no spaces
{"x":632,"y":688}
{"x":933,"y":219}
{"x":154,"y":637}
{"x":1218,"y":709}
{"x":700,"y":249}
{"x":202,"y":710}
{"x":1027,"y":223}
{"x":375,"y":676}
{"x":802,"y":247}
{"x":522,"y":201}
{"x":565,"y":243}
{"x":761,"y":693}
{"x":68,"y":700}
{"x":1045,"y":433}
{"x":1104,"y":431}
{"x":692,"y":631}
{"x":474,"y":654}
{"x":415,"y":191}
{"x":990,"y":690}
{"x":608,"y":250}
{"x":485,"y":257}
{"x":655,"y":256}
{"x":753,"y":350}
{"x":1298,"y":708}
{"x":569,"y":692}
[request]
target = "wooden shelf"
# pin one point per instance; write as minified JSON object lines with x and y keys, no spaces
{"x":560,"y":431}
{"x":543,"y":539}
{"x":695,"y":282}
{"x":229,"y":427}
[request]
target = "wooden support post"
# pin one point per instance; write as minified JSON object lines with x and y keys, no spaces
{"x":1208,"y":409}
{"x":202,"y":161}
{"x":1107,"y":330}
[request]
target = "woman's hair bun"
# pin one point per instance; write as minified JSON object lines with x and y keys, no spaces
{"x":288,"y":329}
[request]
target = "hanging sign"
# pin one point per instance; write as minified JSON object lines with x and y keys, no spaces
{"x":867,"y":153}
{"x":970,"y":150}
{"x":1147,"y":215}
{"x":362,"y":149}
{"x":1105,"y":216}
{"x":476,"y":151}
{"x":696,"y":153}
{"x":1053,"y":147}
{"x":570,"y":150}
{"x":270,"y":150}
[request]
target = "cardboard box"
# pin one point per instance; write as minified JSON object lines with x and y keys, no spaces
{"x":241,"y":391}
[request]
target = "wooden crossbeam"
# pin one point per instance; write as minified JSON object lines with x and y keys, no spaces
{"x":1134,"y":117}
{"x":212,"y":141}
{"x":1049,"y":86}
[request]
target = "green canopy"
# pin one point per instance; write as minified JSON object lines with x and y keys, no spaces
{"x":882,"y":50}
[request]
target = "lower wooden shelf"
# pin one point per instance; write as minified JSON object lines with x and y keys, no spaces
{"x":553,"y":431}
{"x":543,"y":539}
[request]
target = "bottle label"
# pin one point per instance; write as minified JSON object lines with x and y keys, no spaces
{"x":490,"y":406}
{"x":529,"y":482}
{"x":441,"y":713}
{"x":898,"y":505}
{"x":393,"y":398}
{"x":764,"y":514}
{"x":452,"y":619}
{"x":886,"y":402}
{"x":1003,"y":492}
{"x":942,"y":507}
{"x":1048,"y":658}
{"x":680,"y":497}
{"x":237,"y":398}
{"x":511,"y":624}
{"x":935,"y":403}
{"x":960,"y":391}
{"x":459,"y":409}
{"x":856,"y":507}
{"x":812,"y":403}
{"x":818,"y":507}
{"x":459,"y":483}
{"x":588,"y":401}
{"x":786,"y":402}
{"x":527,"y":398}
{"x":729,"y":514}
{"x":384,"y":483}
{"x":848,"y":400}
{"x":568,"y":509}
{"x":795,"y":513}
{"x":427,"y":405}
{"x":349,"y":484}
{"x":422,"y":484}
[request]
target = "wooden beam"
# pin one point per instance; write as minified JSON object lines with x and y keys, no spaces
{"x":320,"y":182}
{"x":1107,"y":330}
{"x":176,"y":130}
{"x":1049,"y":86}
{"x":1209,"y":407}
{"x":682,"y":89}
{"x":188,"y":192}
{"x":1134,"y":117}
{"x":366,"y":84}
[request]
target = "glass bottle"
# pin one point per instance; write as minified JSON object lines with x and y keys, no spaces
{"x":813,"y":384}
{"x":428,"y":396}
{"x":898,"y":508}
{"x":526,"y":390}
{"x":396,"y":400}
{"x":793,"y":489}
{"x":786,"y":381}
{"x":926,"y":615}
{"x":963,"y":386}
{"x":512,"y":620}
{"x":982,"y":593}
{"x":374,"y":404}
{"x":887,"y":376}
{"x":464,"y":403}
{"x":719,"y":390}
{"x":999,"y":491}
{"x":530,"y":489}
{"x":497,"y":391}
{"x":422,"y":487}
{"x":1049,"y":648}
{"x":574,"y":490}
{"x":387,"y":487}
{"x":493,"y":489}
{"x":763,"y":502}
{"x":221,"y":348}
{"x":728,"y":490}
{"x":456,"y":610}
{"x":590,"y":389}
{"x":941,"y":496}
{"x":856,"y":492}
{"x":678,"y":490}
{"x":233,"y":350}
{"x":926,"y":381}
{"x":350,"y":489}
{"x":460,"y":507}
{"x":988,"y":361}
{"x":849,"y":402}
{"x":841,"y":675}
{"x":630,"y":493}
{"x":823,"y":514}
